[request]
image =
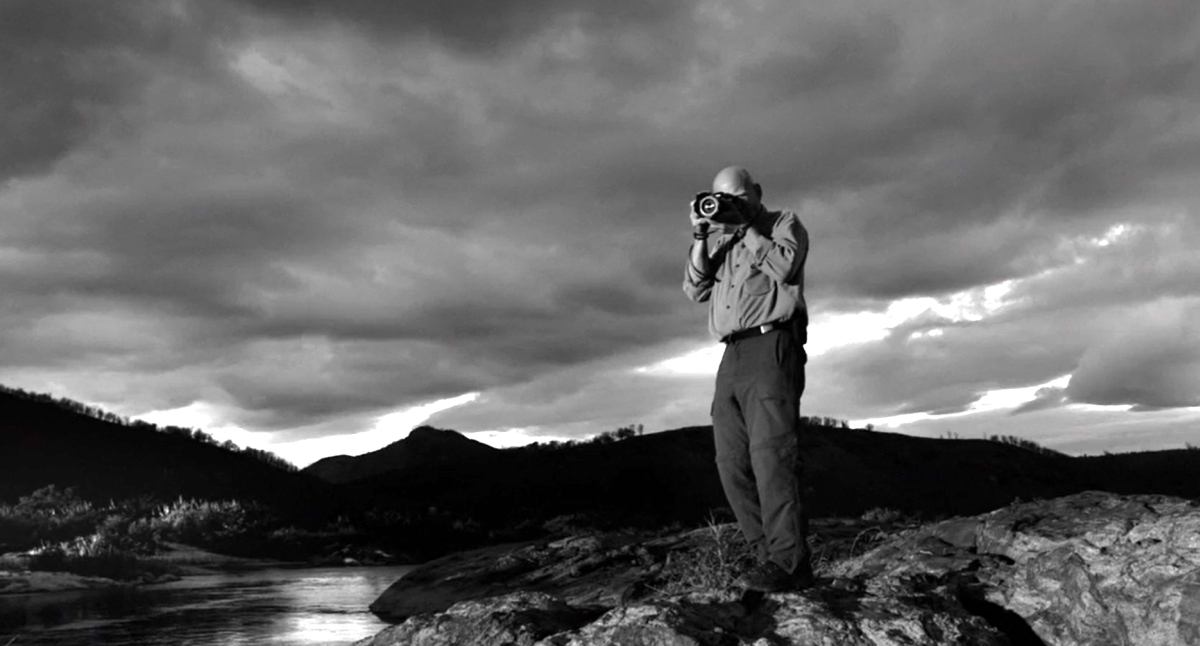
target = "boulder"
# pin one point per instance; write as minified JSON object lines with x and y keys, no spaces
{"x":1099,"y":569}
{"x":1092,"y":568}
{"x":1089,"y":569}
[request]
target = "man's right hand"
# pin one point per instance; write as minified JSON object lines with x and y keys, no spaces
{"x":700,"y":224}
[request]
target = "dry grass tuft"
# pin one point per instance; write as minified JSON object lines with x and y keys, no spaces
{"x":717,"y":556}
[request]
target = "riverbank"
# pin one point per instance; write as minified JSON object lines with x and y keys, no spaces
{"x":314,"y":606}
{"x":174,"y":562}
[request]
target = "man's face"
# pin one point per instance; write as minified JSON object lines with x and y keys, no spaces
{"x":736,"y":183}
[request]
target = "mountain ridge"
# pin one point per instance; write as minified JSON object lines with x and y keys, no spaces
{"x":446,"y":489}
{"x":44,"y":441}
{"x":423,"y":444}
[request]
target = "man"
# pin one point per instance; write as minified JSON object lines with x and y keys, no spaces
{"x":752,"y":276}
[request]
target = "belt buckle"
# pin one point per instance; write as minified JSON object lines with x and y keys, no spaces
{"x":763,"y":329}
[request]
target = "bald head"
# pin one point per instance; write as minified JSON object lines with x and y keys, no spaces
{"x":735,"y":180}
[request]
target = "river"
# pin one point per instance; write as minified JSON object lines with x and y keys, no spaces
{"x":302,"y":606}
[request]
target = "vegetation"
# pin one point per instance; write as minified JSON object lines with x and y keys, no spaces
{"x":636,"y":430}
{"x":607,"y":437}
{"x":827,"y":422}
{"x":1026,"y":444}
{"x":719,"y":556}
{"x":59,"y":531}
{"x":881,"y":515}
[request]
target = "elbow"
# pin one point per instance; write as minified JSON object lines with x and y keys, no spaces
{"x":695,"y":293}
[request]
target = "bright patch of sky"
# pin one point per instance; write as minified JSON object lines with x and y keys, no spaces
{"x":510,"y":437}
{"x":1013,"y":397}
{"x":299,"y":81}
{"x":993,"y":400}
{"x":828,"y":331}
{"x":387,"y":429}
{"x":203,"y":416}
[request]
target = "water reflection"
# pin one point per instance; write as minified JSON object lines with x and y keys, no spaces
{"x":281,"y":606}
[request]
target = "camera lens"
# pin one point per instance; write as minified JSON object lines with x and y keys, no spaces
{"x":709,"y":206}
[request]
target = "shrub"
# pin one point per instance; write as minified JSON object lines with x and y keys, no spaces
{"x":720,"y":555}
{"x":1027,"y":444}
{"x":49,"y":514}
{"x":208,"y":523}
{"x":881,"y":515}
{"x":94,"y":555}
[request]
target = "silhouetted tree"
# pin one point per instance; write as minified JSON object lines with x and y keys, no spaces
{"x":1024,"y":443}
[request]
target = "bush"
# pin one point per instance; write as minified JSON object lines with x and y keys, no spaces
{"x":95,"y":555}
{"x":881,"y":515}
{"x":208,"y":523}
{"x":49,"y":514}
{"x":1027,"y":444}
{"x":712,"y":565}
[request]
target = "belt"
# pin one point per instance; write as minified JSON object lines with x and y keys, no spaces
{"x":755,"y":331}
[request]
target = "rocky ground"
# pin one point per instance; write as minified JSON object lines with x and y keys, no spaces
{"x":1088,"y":569}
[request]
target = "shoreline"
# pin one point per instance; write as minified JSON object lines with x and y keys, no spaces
{"x":181,"y":560}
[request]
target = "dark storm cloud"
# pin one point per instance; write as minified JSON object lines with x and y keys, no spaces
{"x":474,"y":26}
{"x":1153,"y":363}
{"x":311,"y":211}
{"x":1147,"y":260}
{"x":905,"y":374}
{"x":1116,"y":317}
{"x":67,"y":70}
{"x":961,"y":149}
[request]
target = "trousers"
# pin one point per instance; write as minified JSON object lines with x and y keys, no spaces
{"x":756,"y":415}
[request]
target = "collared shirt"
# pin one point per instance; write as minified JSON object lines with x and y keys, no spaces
{"x":746,"y":289}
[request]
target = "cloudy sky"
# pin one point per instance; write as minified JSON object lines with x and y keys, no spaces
{"x":309,"y":225}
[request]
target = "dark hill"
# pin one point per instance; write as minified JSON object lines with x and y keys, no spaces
{"x":44,"y":442}
{"x":425,"y":445}
{"x":671,"y":476}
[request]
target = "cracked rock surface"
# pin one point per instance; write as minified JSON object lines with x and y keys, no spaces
{"x":1083,"y":570}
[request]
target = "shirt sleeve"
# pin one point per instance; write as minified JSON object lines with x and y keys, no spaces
{"x":696,"y":285}
{"x":782,"y":258}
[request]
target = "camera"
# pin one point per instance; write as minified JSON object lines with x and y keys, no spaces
{"x":717,"y":207}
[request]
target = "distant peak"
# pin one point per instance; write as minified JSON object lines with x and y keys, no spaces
{"x":429,"y":432}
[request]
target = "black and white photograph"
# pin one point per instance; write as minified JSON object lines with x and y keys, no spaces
{"x":624,"y":323}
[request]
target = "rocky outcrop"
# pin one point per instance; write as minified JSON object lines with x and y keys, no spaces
{"x":1084,"y":570}
{"x":601,"y":570}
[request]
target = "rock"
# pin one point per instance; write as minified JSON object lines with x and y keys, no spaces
{"x":1084,"y":570}
{"x":584,"y":571}
{"x":1092,"y":568}
{"x":518,"y":619}
{"x":1100,"y":569}
{"x":818,"y":618}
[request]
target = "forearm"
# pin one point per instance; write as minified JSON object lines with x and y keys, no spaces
{"x":699,"y":262}
{"x":697,"y":281}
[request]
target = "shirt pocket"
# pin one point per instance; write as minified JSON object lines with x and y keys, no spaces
{"x":757,"y":284}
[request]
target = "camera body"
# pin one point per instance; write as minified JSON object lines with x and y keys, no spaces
{"x":718,"y":207}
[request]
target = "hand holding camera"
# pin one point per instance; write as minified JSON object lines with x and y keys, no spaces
{"x":717,"y":208}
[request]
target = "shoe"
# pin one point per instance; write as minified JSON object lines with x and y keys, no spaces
{"x":769,"y":577}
